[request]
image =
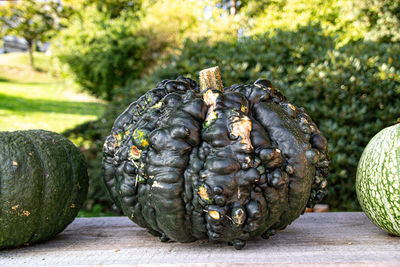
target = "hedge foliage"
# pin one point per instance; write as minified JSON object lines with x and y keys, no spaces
{"x":102,"y":53}
{"x":108,"y":44}
{"x":351,"y":92}
{"x":382,"y":18}
{"x":344,"y":18}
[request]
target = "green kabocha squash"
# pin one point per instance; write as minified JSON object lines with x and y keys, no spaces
{"x":378,"y":180}
{"x":43,"y":184}
{"x":229,"y":164}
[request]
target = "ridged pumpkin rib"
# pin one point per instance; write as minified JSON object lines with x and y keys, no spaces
{"x":57,"y":187}
{"x":3,"y":142}
{"x":16,"y":205}
{"x":73,"y":196}
{"x":37,"y":233}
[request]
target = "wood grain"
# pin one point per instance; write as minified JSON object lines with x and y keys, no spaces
{"x":314,"y":239}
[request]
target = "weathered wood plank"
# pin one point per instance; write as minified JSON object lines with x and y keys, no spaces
{"x":313,"y":239}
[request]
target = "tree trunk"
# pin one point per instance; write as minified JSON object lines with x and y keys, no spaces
{"x":232,"y":4}
{"x":30,"y":50}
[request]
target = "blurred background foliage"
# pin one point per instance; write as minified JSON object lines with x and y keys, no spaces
{"x":340,"y":60}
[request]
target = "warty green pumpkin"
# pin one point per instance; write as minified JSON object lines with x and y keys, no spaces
{"x":378,"y":180}
{"x":226,"y":164}
{"x":43,"y":184}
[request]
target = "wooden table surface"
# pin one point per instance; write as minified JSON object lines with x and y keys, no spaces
{"x":315,"y":239}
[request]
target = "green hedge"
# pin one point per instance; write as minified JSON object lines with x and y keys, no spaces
{"x":103,"y":54}
{"x":351,"y":92}
{"x":383,"y":19}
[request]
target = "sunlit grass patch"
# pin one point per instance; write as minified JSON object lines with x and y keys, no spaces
{"x":33,"y":99}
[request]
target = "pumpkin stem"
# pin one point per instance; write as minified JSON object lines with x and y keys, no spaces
{"x":211,"y":78}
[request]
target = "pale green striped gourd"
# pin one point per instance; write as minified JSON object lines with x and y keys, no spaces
{"x":378,"y":180}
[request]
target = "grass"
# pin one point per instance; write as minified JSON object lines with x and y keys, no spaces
{"x":34,"y":99}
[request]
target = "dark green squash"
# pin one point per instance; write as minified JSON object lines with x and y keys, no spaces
{"x":43,"y":184}
{"x":225,"y":163}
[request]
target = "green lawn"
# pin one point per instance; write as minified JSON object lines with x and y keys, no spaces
{"x":32,"y":99}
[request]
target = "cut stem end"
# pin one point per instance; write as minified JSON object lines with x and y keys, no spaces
{"x":211,"y":78}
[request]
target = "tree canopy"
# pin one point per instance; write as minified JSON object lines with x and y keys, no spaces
{"x":32,"y":20}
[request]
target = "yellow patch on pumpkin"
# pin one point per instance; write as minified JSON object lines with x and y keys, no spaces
{"x":242,"y":127}
{"x":203,"y":193}
{"x":210,"y":98}
{"x":135,"y":152}
{"x":158,"y":105}
{"x":145,"y":143}
{"x":214,"y":214}
{"x":211,"y":116}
